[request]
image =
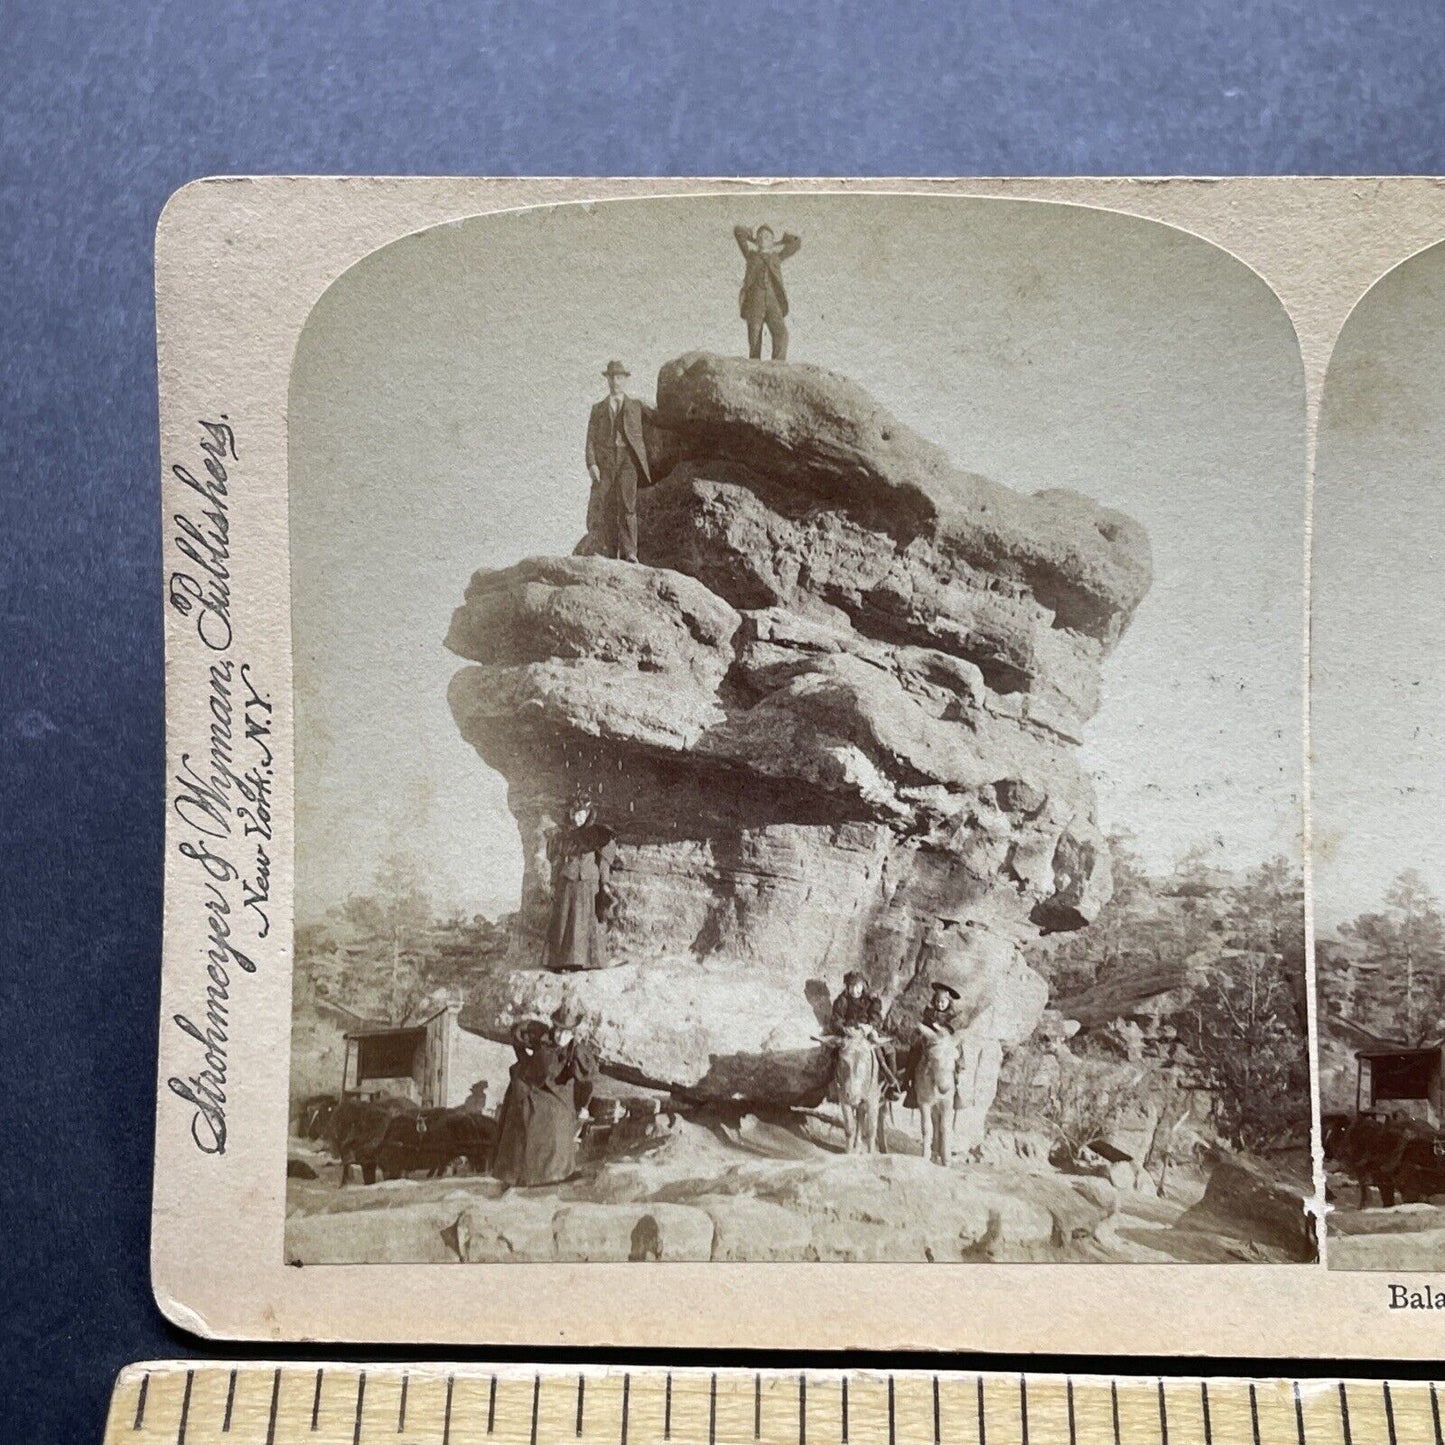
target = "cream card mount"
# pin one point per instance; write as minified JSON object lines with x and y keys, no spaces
{"x":757,"y":728}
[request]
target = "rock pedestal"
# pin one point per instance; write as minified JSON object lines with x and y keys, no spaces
{"x":830,"y":717}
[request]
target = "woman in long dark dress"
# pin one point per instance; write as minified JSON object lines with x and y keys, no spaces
{"x":581,"y":857}
{"x":551,"y":1084}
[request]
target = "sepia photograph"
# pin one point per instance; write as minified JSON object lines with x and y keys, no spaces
{"x":797,"y":752}
{"x":1377,"y":692}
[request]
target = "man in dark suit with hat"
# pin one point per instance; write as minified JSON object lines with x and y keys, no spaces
{"x":762,"y":300}
{"x":617,"y":463}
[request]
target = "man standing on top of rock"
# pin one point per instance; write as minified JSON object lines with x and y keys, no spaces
{"x":616,"y":462}
{"x":762,"y":300}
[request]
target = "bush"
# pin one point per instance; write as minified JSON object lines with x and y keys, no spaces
{"x":1075,"y":1100}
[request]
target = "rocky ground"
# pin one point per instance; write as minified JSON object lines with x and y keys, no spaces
{"x":773,"y":1192}
{"x":1404,"y":1237}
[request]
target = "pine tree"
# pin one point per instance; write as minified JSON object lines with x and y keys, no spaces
{"x":1401,"y":994}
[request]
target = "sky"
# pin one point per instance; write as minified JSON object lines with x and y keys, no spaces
{"x":1377,"y":661}
{"x":439,"y":399}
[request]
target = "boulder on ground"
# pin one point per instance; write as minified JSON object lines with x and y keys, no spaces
{"x":1243,"y":1199}
{"x":831,"y":720}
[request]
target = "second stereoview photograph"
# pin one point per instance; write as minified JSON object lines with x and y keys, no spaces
{"x":1378,"y":753}
{"x":797,"y":742}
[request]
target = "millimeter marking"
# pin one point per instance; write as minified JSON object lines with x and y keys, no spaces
{"x":360,"y":1397}
{"x":199,"y":1403}
{"x":275,"y":1401}
{"x":185,"y":1408}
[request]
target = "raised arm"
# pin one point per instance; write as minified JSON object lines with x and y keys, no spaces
{"x":522,"y":1039}
{"x":789,"y":246}
{"x":744,"y":237}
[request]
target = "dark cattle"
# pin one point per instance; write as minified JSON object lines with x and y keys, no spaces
{"x":471,"y":1136}
{"x":392,"y":1137}
{"x":1394,"y":1156}
{"x":314,"y":1115}
{"x":1332,"y":1130}
{"x":434,"y":1140}
{"x":358,"y":1130}
{"x":1422,"y":1168}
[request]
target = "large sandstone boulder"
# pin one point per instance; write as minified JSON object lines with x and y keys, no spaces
{"x":830,"y":718}
{"x":825,"y":439}
{"x":1246,"y":1200}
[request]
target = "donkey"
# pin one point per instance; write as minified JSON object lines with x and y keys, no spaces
{"x":857,"y":1085}
{"x":935,"y":1080}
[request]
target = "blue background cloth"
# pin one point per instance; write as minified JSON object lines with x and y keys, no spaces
{"x":108,"y":108}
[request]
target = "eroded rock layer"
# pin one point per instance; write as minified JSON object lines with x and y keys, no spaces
{"x":830,"y":717}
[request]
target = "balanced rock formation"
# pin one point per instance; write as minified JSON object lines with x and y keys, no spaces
{"x":830,"y":716}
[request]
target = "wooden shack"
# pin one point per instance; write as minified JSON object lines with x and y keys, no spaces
{"x":1387,"y":1077}
{"x":433,"y":1062}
